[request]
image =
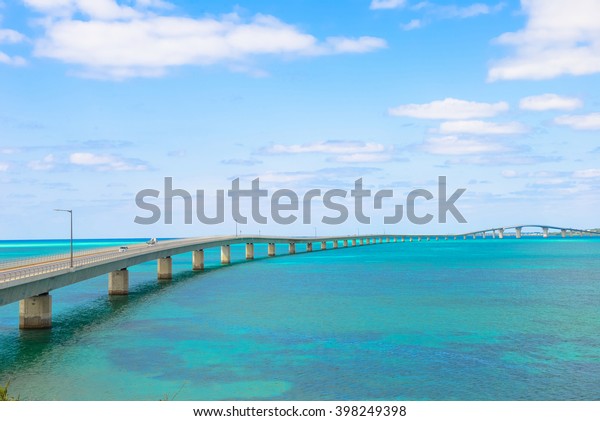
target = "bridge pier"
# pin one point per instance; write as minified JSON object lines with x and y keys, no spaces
{"x":335,"y":244}
{"x":309,"y":246}
{"x":345,"y":243}
{"x":518,"y":232}
{"x":249,"y":251}
{"x":410,"y":239}
{"x":323,"y":245}
{"x":403,"y":239}
{"x":395,"y":239}
{"x":292,"y":248}
{"x":354,"y":242}
{"x":165,"y":268}
{"x":271,"y":250}
{"x":501,"y":233}
{"x":118,"y":282}
{"x":419,"y":238}
{"x":474,"y":236}
{"x":563,"y":233}
{"x":36,"y":312}
{"x":198,"y":260}
{"x":483,"y":235}
{"x":545,"y":232}
{"x":225,"y":254}
{"x":362,"y":241}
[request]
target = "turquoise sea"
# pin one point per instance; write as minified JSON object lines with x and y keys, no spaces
{"x":448,"y":320}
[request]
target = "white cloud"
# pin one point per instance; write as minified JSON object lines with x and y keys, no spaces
{"x":432,"y":12}
{"x":95,"y":9}
{"x":580,"y":122}
{"x":387,"y":4}
{"x":478,"y":127}
{"x":413,"y":24}
{"x":589,"y":173}
{"x":452,"y":145}
{"x":121,"y":42}
{"x":9,"y":36}
{"x":453,"y":11}
{"x":550,"y":102}
{"x":106,"y":162}
{"x":449,"y":109}
{"x":560,"y":38}
{"x":341,"y":45}
{"x":365,"y":157}
{"x":510,"y":174}
{"x":342,"y":150}
{"x":46,"y":163}
{"x":328,"y":147}
{"x":3,"y":167}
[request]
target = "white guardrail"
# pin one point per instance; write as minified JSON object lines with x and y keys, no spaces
{"x":18,"y":269}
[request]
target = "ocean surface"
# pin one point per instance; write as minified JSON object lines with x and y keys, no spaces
{"x":448,"y":320}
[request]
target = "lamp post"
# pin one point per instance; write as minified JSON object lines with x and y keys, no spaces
{"x":71,"y":214}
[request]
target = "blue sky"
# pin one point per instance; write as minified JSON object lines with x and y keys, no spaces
{"x":100,"y":99}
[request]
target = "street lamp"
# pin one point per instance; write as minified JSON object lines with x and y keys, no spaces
{"x":71,"y":214}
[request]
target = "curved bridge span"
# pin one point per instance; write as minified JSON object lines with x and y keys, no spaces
{"x":30,"y":281}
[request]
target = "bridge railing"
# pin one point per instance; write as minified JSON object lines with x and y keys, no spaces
{"x":45,"y":264}
{"x":16,"y":263}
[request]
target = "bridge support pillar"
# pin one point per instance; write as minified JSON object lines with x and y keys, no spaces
{"x":501,"y":233}
{"x":345,"y":243}
{"x":354,"y":242}
{"x":118,"y":282}
{"x":165,"y":268}
{"x":563,"y":233}
{"x":362,"y":241}
{"x":395,"y":239}
{"x":403,"y":239}
{"x":518,"y":232}
{"x":545,"y":232}
{"x":419,"y":238}
{"x":464,"y":237}
{"x":198,"y":260}
{"x":474,"y":236}
{"x":309,"y":246}
{"x":225,"y":254}
{"x":323,"y":245}
{"x":271,"y":249}
{"x":483,"y":235}
{"x":36,"y":312}
{"x":335,"y":244}
{"x":249,"y":251}
{"x":292,"y":248}
{"x":410,"y":239}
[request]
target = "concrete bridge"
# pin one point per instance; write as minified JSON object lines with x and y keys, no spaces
{"x":30,"y":281}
